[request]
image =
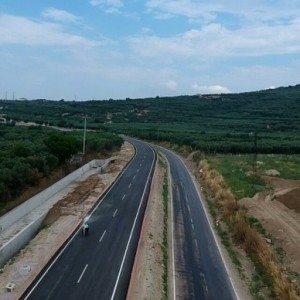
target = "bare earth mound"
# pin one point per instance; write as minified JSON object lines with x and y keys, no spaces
{"x":279,"y":213}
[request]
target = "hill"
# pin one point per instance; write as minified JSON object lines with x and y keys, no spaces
{"x":266,"y":121}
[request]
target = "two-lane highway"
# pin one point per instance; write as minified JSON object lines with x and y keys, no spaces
{"x":99,"y":265}
{"x":199,"y":272}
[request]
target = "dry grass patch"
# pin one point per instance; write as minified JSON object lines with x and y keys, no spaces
{"x":247,"y":237}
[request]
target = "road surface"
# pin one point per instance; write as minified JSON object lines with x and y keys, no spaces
{"x":99,"y":265}
{"x":199,"y":269}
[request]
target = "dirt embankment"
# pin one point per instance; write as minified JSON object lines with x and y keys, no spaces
{"x":279,"y":213}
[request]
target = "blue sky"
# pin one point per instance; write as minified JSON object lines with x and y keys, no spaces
{"x":102,"y":49}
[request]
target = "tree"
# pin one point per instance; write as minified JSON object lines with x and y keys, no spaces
{"x":62,"y":146}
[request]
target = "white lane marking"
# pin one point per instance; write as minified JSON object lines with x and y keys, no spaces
{"x":140,"y":165}
{"x":196,"y":244}
{"x":123,"y":197}
{"x":189,"y":209}
{"x":133,"y":177}
{"x":82,"y":273}
{"x":131,"y":232}
{"x":193,"y":225}
{"x":137,"y":170}
{"x":102,"y":236}
{"x":115,"y":212}
{"x":211,"y":227}
{"x":129,"y":186}
{"x":173,"y":233}
{"x":74,"y":235}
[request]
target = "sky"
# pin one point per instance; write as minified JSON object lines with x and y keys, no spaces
{"x":114,"y":49}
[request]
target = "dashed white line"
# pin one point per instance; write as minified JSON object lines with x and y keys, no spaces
{"x":115,"y":212}
{"x":137,"y":170}
{"x":189,"y":208}
{"x":102,"y":236}
{"x":131,"y":234}
{"x":196,"y":244}
{"x":123,"y":197}
{"x":129,"y":186}
{"x":82,"y":273}
{"x":133,"y":177}
{"x":193,"y":226}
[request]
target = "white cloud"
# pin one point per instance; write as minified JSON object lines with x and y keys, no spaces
{"x":110,"y":6}
{"x":60,"y":15}
{"x":211,"y":89}
{"x":20,"y":30}
{"x":187,"y":8}
{"x":206,"y":11}
{"x":170,"y":85}
{"x":216,"y":41}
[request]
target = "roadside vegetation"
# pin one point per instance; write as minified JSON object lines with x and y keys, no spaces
{"x":258,"y":122}
{"x":30,"y":154}
{"x":234,"y":226}
{"x":242,"y":136}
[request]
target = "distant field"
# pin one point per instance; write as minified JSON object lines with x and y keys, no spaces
{"x":239,"y":170}
{"x":258,"y":122}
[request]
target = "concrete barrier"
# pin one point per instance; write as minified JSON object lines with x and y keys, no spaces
{"x":13,"y":246}
{"x":17,"y":242}
{"x":26,"y":207}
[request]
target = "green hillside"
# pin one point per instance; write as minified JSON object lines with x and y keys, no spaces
{"x":265,"y":121}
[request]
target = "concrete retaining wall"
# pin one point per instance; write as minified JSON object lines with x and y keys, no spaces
{"x":20,"y":240}
{"x":17,"y":242}
{"x":39,"y":199}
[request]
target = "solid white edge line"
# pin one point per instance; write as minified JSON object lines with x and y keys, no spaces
{"x":102,"y":236}
{"x":131,"y":232}
{"x":211,"y":227}
{"x":82,"y":273}
{"x":76,"y":232}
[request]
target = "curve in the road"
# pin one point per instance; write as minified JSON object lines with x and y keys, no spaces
{"x":99,"y":266}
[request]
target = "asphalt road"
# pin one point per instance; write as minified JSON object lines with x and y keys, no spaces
{"x":199,"y":269}
{"x":99,"y":265}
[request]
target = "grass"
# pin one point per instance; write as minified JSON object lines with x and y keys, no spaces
{"x":245,"y":233}
{"x":225,"y":237}
{"x":253,"y":222}
{"x":287,"y":165}
{"x":280,"y":253}
{"x":238,"y":174}
{"x":242,"y":172}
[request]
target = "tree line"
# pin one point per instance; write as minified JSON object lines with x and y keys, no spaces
{"x":28,"y":154}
